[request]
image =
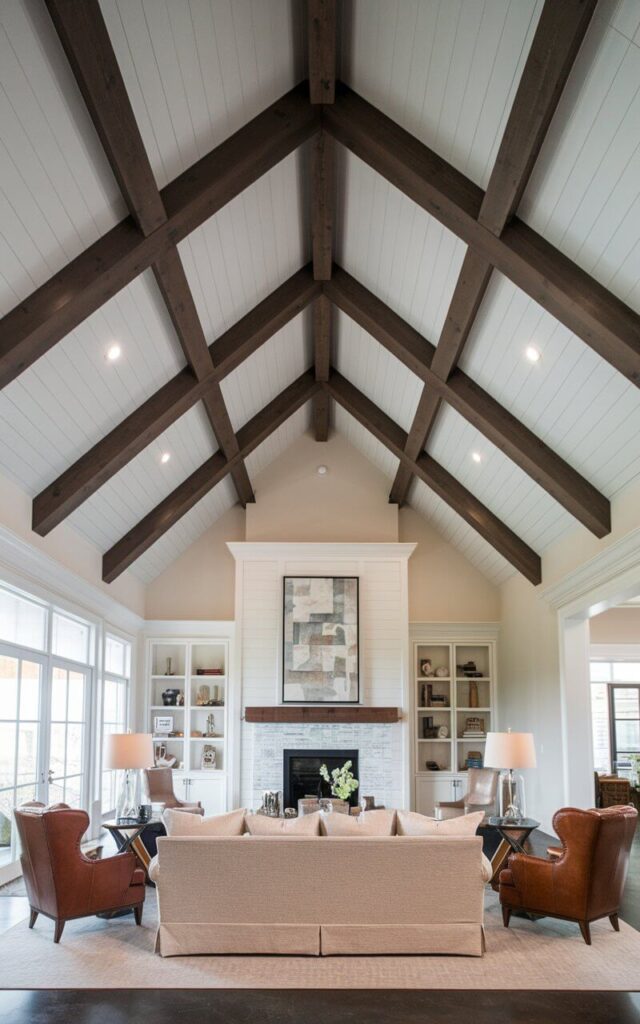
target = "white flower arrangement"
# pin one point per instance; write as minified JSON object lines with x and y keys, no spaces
{"x":341,"y":780}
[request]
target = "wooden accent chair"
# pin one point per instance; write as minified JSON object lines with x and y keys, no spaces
{"x":481,"y":795}
{"x":159,"y":783}
{"x":61,"y":882}
{"x":586,"y":881}
{"x":614,"y":791}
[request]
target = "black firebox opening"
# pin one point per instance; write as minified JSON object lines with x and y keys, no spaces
{"x":301,"y":776}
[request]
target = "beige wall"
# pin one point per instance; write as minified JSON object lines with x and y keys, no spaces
{"x":529,"y":689}
{"x":617,"y":626}
{"x":529,"y":652}
{"x":200,"y":584}
{"x":68,"y":547}
{"x":443,"y":585}
{"x":349,"y":503}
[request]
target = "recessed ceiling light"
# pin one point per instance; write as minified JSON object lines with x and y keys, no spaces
{"x":532,"y":353}
{"x":476,"y":456}
{"x":322,"y":470}
{"x":114,"y":352}
{"x":164,"y":458}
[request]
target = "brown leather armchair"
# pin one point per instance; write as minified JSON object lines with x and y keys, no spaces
{"x":61,"y":882}
{"x":159,"y":785}
{"x":584,"y":883}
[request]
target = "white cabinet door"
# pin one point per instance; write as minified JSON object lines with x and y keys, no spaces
{"x":210,"y":792}
{"x":431,"y":788}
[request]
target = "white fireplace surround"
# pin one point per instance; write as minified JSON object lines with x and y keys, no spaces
{"x":384,"y":750}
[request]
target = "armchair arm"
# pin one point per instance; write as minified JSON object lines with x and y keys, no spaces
{"x":111,"y":881}
{"x":534,"y":879}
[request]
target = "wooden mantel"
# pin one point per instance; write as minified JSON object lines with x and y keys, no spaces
{"x":332,"y":714}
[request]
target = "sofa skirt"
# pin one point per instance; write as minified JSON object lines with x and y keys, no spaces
{"x":190,"y":939}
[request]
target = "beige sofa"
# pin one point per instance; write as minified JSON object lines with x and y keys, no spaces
{"x":320,"y":896}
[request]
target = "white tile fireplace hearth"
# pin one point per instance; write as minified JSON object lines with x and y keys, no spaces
{"x":384,"y":749}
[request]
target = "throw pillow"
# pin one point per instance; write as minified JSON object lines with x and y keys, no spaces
{"x":412,"y":824}
{"x":261,"y":825}
{"x":371,"y":823}
{"x":181,"y":823}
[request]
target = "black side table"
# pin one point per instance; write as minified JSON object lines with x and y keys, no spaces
{"x":141,"y":839}
{"x":512,"y":839}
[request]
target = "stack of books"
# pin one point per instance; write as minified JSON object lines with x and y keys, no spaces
{"x":474,"y":729}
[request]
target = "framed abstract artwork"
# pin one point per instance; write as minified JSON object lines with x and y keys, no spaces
{"x":320,"y":662}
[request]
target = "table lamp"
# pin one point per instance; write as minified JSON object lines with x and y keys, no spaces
{"x":128,"y":752}
{"x":508,"y":751}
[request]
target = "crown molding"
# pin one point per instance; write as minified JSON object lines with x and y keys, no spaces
{"x":313,"y":551}
{"x":41,"y":574}
{"x":614,"y":572}
{"x":191,"y":628}
{"x":448,"y":631}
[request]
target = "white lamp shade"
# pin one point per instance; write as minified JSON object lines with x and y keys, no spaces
{"x":128,"y":750}
{"x":510,"y":750}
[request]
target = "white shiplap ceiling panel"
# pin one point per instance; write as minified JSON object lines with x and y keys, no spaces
{"x":137,"y":488}
{"x":198,"y":70}
{"x":497,"y":482}
{"x":366,"y":443}
{"x":278,"y":442}
{"x":57,"y":193}
{"x":71,"y":397}
{"x":248,"y":248}
{"x":395,"y":248}
{"x":375,"y":371}
{"x":446,"y":70}
{"x":584,"y":193}
{"x":267,"y":372}
{"x":186,"y":531}
{"x":572,"y":399}
{"x":458,"y":533}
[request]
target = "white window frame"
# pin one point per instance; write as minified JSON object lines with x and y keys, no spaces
{"x":116,"y":634}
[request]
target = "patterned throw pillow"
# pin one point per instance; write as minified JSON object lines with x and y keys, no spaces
{"x":261,"y":825}
{"x":412,"y":824}
{"x":182,"y":823}
{"x":371,"y":823}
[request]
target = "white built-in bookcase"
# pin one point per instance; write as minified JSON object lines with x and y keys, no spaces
{"x":447,"y":647}
{"x":188,"y":654}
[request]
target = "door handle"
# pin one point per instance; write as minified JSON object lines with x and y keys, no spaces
{"x":50,"y":777}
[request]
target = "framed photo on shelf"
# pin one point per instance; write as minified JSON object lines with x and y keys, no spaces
{"x":320,"y":655}
{"x":162,"y":725}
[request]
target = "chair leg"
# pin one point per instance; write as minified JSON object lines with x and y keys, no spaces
{"x":506,"y":915}
{"x":614,"y":921}
{"x":58,"y":931}
{"x":137,"y":912}
{"x":586,"y":931}
{"x":33,"y":917}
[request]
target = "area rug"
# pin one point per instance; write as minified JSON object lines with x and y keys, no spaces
{"x":115,"y":954}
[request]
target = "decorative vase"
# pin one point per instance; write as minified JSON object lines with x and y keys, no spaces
{"x":473,"y":695}
{"x":170,"y":698}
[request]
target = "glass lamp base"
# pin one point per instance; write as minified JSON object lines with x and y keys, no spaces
{"x":127,"y":805}
{"x":512,"y":802}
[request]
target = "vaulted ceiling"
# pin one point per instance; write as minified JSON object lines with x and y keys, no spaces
{"x":275,"y":250}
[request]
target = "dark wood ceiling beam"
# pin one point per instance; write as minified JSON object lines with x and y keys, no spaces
{"x":141,"y":427}
{"x":605,"y":323}
{"x":96,"y":275}
{"x":173,"y":284}
{"x":520,"y":444}
{"x":199,"y":483}
{"x":85,"y":40}
{"x":438,"y":479}
{"x":322,"y":42}
{"x":559,"y":34}
{"x":321,"y":31}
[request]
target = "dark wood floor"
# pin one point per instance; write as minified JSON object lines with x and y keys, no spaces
{"x":319,"y":1007}
{"x":166,"y":1006}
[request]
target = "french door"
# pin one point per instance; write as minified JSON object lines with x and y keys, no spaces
{"x":67,"y":753}
{"x":44,"y":707}
{"x":21,"y":741}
